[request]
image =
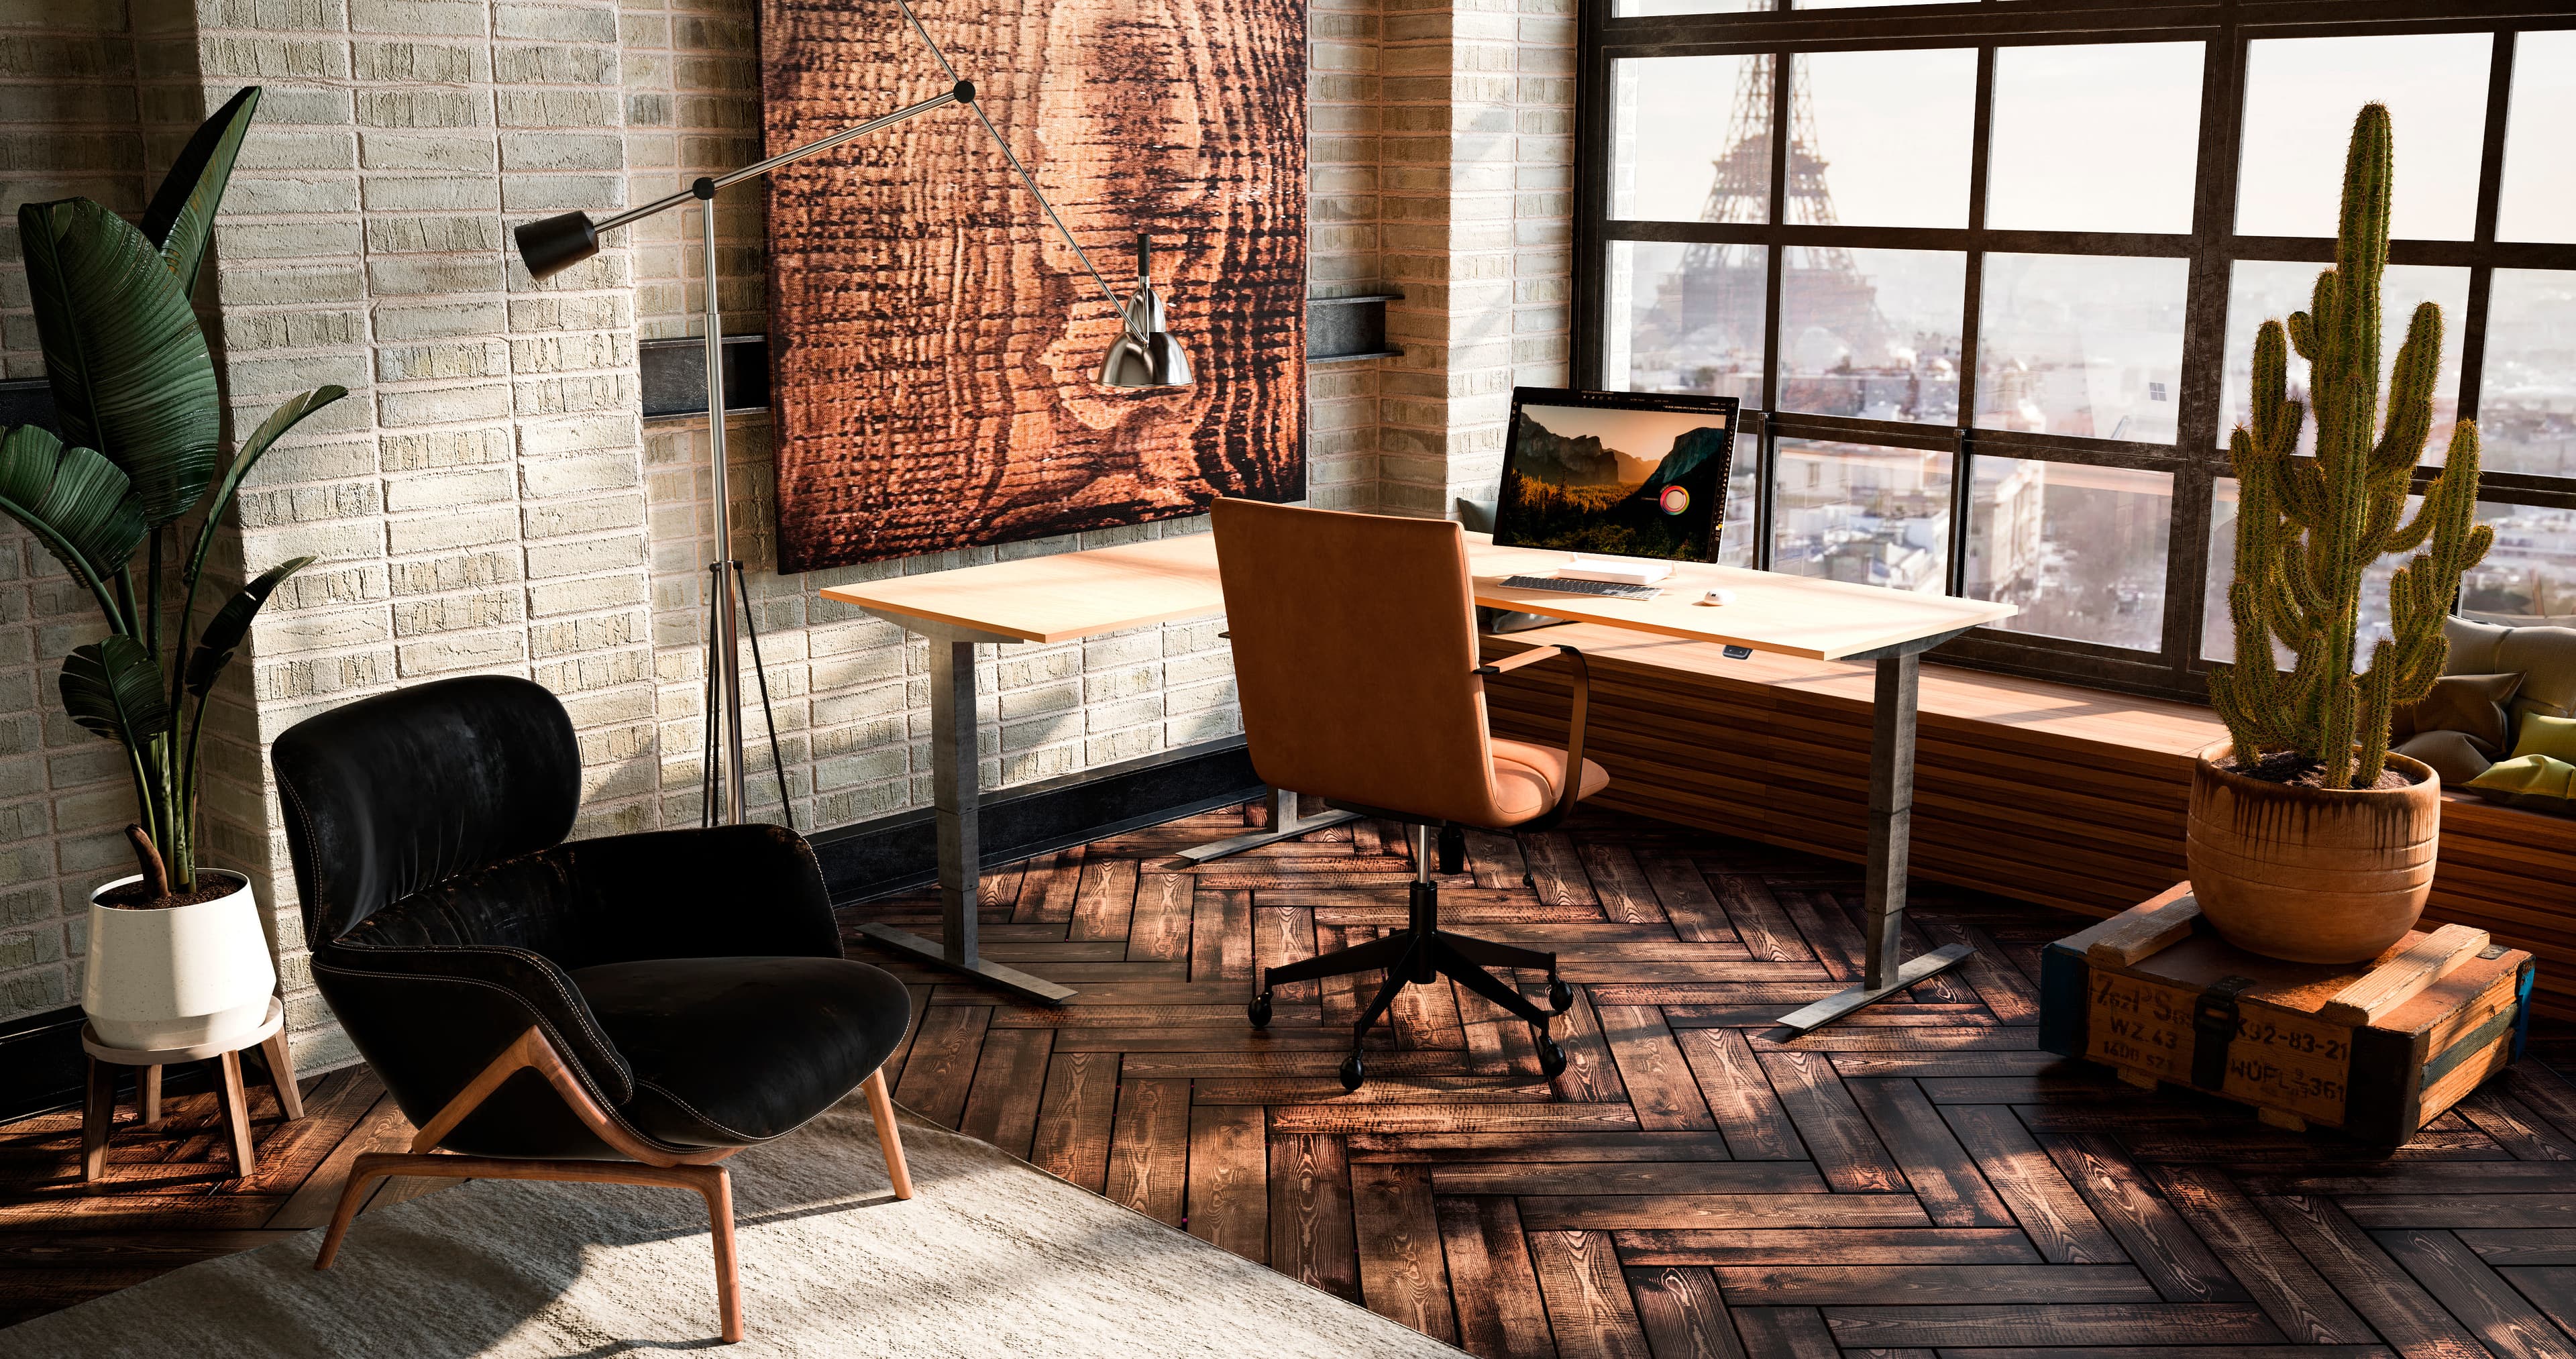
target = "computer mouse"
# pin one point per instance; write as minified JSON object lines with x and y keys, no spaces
{"x":1718,"y":597}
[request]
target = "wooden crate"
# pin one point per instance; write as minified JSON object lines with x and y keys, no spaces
{"x":2373,"y":1048}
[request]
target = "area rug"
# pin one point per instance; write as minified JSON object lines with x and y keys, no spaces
{"x":990,"y":1257}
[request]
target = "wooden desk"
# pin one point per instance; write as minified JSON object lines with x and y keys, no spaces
{"x":1082,"y":594}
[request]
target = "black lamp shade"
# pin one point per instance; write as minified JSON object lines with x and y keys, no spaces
{"x":555,"y":244}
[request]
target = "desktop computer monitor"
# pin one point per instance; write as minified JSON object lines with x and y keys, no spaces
{"x":1621,"y":474}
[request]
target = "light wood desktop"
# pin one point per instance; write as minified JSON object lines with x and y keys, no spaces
{"x":1111,"y":589}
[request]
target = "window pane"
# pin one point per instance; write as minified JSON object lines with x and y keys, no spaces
{"x":2094,"y":138}
{"x":1881,"y":138}
{"x":1685,"y":318}
{"x":1872,"y":333}
{"x":2264,"y":290}
{"x":1735,"y":532}
{"x":2539,"y":199}
{"x":2529,"y":576}
{"x":2081,"y":549}
{"x":2527,"y":391}
{"x":1678,"y":154}
{"x":1863,"y":513}
{"x":2301,"y":95}
{"x":2218,"y":634}
{"x":2081,"y":344}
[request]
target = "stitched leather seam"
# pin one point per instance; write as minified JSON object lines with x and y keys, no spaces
{"x":600,"y":1097}
{"x":692,"y":1111}
{"x":578,"y":1008}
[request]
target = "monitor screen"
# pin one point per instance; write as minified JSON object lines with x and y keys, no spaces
{"x":1623,"y":474}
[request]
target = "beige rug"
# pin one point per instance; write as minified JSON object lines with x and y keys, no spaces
{"x":991,"y":1257}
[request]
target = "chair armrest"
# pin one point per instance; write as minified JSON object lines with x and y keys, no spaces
{"x":1575,"y":720}
{"x":718,"y":892}
{"x":1513,"y":662}
{"x":428,"y":1017}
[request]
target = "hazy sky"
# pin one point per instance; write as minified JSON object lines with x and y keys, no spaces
{"x":2105,"y":136}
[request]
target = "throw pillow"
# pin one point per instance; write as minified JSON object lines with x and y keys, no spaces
{"x":2534,"y":782}
{"x":2550,"y":737}
{"x":2472,"y":705}
{"x":2452,"y":754}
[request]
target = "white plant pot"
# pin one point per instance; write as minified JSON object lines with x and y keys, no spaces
{"x":180,"y":977}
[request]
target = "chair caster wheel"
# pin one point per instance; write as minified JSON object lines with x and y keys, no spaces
{"x":1355,"y":1071}
{"x":1560,"y":997}
{"x":1259,"y":1011}
{"x":1529,"y":880}
{"x":1551,"y":1057}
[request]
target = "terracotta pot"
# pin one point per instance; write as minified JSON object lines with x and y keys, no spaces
{"x":180,"y":977}
{"x":2312,"y":875}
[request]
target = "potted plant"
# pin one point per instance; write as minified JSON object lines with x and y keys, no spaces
{"x":2308,"y":840}
{"x":177,"y":956}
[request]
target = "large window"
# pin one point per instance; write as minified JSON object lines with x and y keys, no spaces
{"x":1990,"y":274}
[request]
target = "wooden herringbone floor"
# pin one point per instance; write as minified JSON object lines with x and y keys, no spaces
{"x":1916,"y":1180}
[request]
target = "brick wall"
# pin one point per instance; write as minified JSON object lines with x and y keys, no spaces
{"x":73,"y":107}
{"x":487,"y":500}
{"x":1479,"y":149}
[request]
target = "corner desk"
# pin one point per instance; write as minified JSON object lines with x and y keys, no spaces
{"x":1074,"y":595}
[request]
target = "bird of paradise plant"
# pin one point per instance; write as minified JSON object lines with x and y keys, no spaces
{"x":135,"y":398}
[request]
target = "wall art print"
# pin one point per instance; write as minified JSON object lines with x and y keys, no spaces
{"x":934,"y":342}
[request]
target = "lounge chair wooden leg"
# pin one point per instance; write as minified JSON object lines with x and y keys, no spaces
{"x":147,"y":1094}
{"x":369,"y":1167}
{"x":717,"y":1188}
{"x":237,"y":1114}
{"x":889,"y":1137}
{"x":98,"y":1111}
{"x":281,"y":1073}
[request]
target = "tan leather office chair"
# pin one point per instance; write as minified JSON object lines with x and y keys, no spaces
{"x":1355,"y":657}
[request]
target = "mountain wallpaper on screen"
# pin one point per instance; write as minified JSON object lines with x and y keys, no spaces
{"x":1583,"y":495}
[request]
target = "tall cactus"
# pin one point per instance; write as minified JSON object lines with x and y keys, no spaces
{"x":2307,"y":529}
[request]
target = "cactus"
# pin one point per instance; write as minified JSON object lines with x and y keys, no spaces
{"x":2306,"y":529}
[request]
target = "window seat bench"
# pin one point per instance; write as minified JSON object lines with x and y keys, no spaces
{"x":2026,"y":788}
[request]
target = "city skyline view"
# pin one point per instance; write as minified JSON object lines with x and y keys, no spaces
{"x":2086,"y":343}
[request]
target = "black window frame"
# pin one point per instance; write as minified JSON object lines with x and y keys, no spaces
{"x":2197,"y":458}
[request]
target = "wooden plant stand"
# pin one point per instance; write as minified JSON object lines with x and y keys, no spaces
{"x":98,"y":1113}
{"x":2376,"y":1048}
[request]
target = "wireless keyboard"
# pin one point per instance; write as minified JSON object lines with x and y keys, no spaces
{"x":1612,"y":589}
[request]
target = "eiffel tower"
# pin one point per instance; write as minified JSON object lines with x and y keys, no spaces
{"x":1712,"y":305}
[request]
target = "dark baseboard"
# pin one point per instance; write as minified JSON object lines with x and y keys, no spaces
{"x":40,"y":1054}
{"x":901,"y":852}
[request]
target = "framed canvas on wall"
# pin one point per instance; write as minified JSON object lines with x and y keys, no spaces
{"x":934,"y":342}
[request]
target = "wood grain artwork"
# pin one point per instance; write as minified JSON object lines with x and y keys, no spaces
{"x":934,"y":342}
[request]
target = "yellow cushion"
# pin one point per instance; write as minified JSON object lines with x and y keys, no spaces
{"x":2534,"y":781}
{"x":2553,"y":737}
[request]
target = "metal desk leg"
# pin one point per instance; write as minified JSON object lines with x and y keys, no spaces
{"x":1285,"y":824}
{"x":955,"y":793}
{"x":1891,"y":816}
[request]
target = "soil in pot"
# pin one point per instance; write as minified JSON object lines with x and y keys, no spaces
{"x":137,"y":896}
{"x":2290,"y":768}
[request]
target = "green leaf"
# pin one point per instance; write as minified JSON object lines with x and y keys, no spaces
{"x":113,"y":688}
{"x":231,"y":623}
{"x":75,"y":500}
{"x":288,"y":415}
{"x":181,"y":219}
{"x":130,"y":370}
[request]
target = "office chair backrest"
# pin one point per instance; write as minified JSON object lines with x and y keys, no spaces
{"x":393,"y":793}
{"x":1354,"y":646}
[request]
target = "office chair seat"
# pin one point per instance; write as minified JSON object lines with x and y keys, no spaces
{"x":1528,"y":778}
{"x":728,"y":1051}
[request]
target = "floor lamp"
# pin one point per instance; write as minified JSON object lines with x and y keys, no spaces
{"x":1144,"y":355}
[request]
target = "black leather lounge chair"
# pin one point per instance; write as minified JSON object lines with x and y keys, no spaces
{"x":629,"y":1009}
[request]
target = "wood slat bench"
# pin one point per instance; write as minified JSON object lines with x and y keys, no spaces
{"x":2026,"y":788}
